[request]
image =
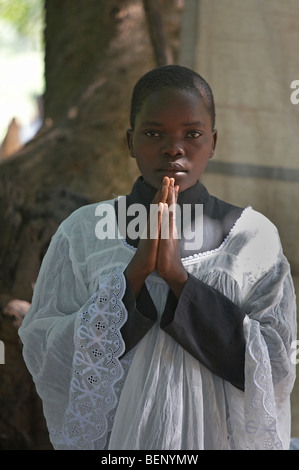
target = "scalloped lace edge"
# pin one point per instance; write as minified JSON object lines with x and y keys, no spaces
{"x":97,"y":371}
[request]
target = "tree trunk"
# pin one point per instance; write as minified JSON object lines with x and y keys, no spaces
{"x":80,"y":153}
{"x":162,"y":51}
{"x":95,"y":52}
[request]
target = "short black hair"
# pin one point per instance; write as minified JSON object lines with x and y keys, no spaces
{"x":171,"y":76}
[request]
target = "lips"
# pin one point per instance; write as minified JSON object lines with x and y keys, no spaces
{"x":174,"y":167}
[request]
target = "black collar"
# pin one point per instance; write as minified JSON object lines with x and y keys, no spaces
{"x":218,"y":216}
{"x":144,"y":194}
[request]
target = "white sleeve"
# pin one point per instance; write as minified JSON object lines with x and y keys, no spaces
{"x":71,"y":345}
{"x":270,"y":329}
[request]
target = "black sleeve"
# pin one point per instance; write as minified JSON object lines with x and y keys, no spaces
{"x":142,"y":315}
{"x":210,"y":327}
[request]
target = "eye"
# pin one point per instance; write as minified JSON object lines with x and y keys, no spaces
{"x":152,"y":133}
{"x":194,"y":134}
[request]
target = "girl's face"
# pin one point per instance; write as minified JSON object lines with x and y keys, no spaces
{"x":172,"y":137}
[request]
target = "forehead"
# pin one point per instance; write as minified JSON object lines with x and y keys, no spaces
{"x":170,"y":103}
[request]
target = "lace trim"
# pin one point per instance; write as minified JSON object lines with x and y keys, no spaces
{"x":196,"y":256}
{"x":97,"y":371}
{"x":260,"y":412}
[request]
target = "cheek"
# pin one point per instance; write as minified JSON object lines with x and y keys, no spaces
{"x":138,"y":147}
{"x":204,"y":149}
{"x":144,"y":152}
{"x":202,"y":164}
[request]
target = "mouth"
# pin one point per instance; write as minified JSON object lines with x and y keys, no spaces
{"x":172,"y":168}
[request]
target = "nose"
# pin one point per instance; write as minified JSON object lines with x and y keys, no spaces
{"x":172,"y":148}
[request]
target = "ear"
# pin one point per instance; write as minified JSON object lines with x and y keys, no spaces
{"x":214,"y":143}
{"x":130,"y":141}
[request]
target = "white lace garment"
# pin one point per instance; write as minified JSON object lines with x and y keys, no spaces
{"x":158,"y":396}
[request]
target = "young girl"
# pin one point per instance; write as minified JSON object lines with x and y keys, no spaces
{"x":152,"y":342}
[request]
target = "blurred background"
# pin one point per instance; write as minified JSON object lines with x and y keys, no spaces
{"x":67,"y":70}
{"x":22,"y":70}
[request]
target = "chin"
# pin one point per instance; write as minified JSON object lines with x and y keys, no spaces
{"x":183,"y":185}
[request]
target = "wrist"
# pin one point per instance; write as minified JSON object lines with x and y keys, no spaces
{"x":135,"y":278}
{"x":177,"y":283}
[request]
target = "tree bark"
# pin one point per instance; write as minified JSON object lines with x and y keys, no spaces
{"x":80,"y":154}
{"x":73,"y":57}
{"x":157,"y":33}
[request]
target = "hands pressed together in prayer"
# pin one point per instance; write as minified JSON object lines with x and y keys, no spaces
{"x":157,"y":252}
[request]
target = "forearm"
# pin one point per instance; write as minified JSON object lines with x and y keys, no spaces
{"x":135,"y":278}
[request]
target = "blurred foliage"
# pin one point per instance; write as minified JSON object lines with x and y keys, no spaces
{"x":26,"y":16}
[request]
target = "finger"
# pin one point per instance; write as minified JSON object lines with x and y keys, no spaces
{"x":161,"y":194}
{"x":176,"y":192}
{"x":160,"y":215}
{"x":166,"y":180}
{"x":164,"y":191}
{"x":168,"y":224}
{"x":173,"y":232}
{"x":170,"y":192}
{"x":172,"y":200}
{"x":172,"y":222}
{"x":164,"y":232}
{"x":155,"y":220}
